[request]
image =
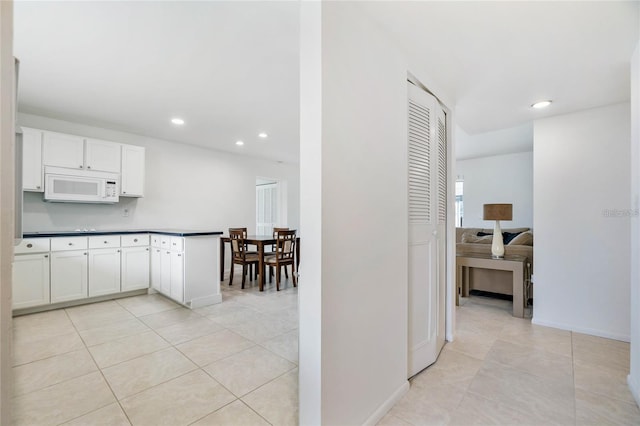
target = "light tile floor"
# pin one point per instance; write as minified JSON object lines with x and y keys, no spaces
{"x":145,"y":360}
{"x":503,"y":370}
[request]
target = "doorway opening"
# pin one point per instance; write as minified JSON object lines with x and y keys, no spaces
{"x":271,"y":205}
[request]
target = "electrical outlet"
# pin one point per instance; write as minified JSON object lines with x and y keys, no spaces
{"x":125,"y":212}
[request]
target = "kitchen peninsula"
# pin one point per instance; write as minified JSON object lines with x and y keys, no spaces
{"x":59,"y":269}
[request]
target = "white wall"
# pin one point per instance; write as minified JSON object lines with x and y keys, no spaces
{"x":498,"y":179}
{"x":361,"y":191}
{"x":634,"y":375}
{"x":581,"y":272}
{"x":186,"y":187}
{"x":7,"y":183}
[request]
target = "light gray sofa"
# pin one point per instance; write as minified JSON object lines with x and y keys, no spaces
{"x":486,"y":279}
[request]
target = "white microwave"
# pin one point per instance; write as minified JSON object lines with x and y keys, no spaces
{"x":80,"y":186}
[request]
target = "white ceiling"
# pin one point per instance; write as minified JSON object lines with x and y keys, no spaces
{"x":230,"y":69}
{"x":497,"y":58}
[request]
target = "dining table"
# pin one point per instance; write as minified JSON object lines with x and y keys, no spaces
{"x":260,"y":241}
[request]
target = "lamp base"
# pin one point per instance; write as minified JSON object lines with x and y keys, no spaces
{"x":497,"y":246}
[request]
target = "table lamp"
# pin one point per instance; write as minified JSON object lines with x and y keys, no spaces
{"x":497,"y":212}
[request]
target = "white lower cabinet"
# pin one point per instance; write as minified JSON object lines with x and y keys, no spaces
{"x":63,"y":269}
{"x":30,"y":280}
{"x":156,"y":268}
{"x":104,"y":272}
{"x":69,"y":277}
{"x":177,"y":276}
{"x":135,"y":268}
{"x":165,"y":272}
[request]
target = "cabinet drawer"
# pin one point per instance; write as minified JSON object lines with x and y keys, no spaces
{"x":32,"y":245}
{"x":165,"y":242}
{"x":135,"y":240}
{"x":156,"y":240}
{"x":69,"y":243}
{"x":104,"y":241}
{"x":177,"y":244}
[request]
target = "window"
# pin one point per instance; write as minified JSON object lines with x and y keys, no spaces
{"x":459,"y":206}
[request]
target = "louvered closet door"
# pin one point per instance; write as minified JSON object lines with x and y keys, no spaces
{"x":427,"y":219}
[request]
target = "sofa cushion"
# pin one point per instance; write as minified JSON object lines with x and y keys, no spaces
{"x":468,"y":237}
{"x":506,"y":236}
{"x":523,"y":239}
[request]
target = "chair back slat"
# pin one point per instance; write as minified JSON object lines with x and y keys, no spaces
{"x":285,"y":244}
{"x":238,"y":246}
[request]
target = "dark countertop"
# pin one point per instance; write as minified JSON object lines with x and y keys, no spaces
{"x":83,"y":233}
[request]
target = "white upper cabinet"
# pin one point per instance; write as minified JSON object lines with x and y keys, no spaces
{"x":62,"y":150}
{"x":32,"y":160}
{"x":132,"y":178}
{"x":102,"y":156}
{"x":76,"y":152}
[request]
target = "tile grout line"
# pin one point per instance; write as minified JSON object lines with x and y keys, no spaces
{"x":101,"y":374}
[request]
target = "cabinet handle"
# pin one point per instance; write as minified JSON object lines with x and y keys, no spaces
{"x":135,"y":240}
{"x":38,"y":187}
{"x":85,"y":253}
{"x":46,"y":255}
{"x":80,"y":166}
{"x":70,"y":244}
{"x":29,"y":245}
{"x":179,"y":254}
{"x":118,"y":251}
{"x":147,"y":249}
{"x":106,"y":242}
{"x":124,"y":192}
{"x":174,"y":244}
{"x":88,"y":167}
{"x":168,"y":252}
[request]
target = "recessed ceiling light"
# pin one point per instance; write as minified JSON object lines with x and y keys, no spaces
{"x":178,"y":121}
{"x":541,"y":104}
{"x":263,"y":135}
{"x":239,"y":143}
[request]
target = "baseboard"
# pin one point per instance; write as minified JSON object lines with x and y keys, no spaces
{"x":634,"y":387}
{"x":383,"y":409}
{"x":590,"y":331}
{"x":200,"y":302}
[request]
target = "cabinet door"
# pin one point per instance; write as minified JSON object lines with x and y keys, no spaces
{"x":156,"y":269}
{"x":165,"y":273}
{"x":104,"y":272}
{"x":32,"y":160}
{"x":132,"y":178}
{"x":102,"y":156}
{"x":63,"y":150}
{"x":135,"y":268}
{"x":177,"y":276}
{"x":30,"y":280}
{"x":68,"y":275}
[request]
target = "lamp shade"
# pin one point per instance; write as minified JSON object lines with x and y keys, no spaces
{"x":497,"y":211}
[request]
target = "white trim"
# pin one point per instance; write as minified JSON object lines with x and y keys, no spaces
{"x":590,"y":331}
{"x":199,"y":302}
{"x":634,"y":388}
{"x":384,"y":408}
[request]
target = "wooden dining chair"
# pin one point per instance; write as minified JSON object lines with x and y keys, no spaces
{"x":252,"y":271}
{"x":273,"y":250}
{"x":283,"y":256}
{"x":240,"y":255}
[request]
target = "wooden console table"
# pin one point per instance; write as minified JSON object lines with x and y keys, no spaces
{"x":516,"y":264}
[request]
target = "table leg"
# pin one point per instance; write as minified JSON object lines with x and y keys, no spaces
{"x":261,"y":265}
{"x":222,"y":260}
{"x":518,"y":291}
{"x":458,"y":284}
